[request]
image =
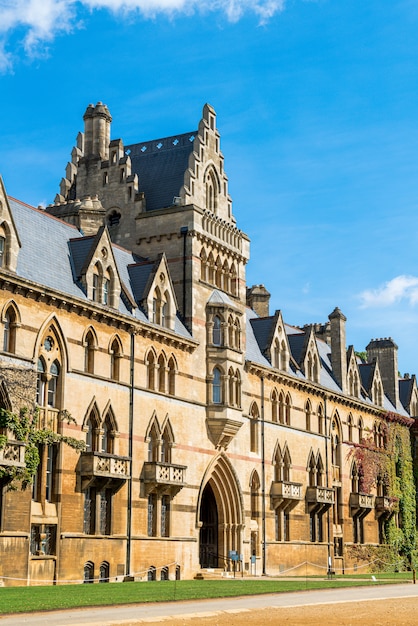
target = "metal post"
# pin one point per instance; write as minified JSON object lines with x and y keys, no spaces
{"x":130,"y":454}
{"x":327,"y":439}
{"x":263,"y":481}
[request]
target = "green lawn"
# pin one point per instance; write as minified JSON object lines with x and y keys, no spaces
{"x":22,"y":599}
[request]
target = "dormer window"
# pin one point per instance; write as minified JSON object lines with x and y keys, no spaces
{"x":2,"y":251}
{"x":95,"y":288}
{"x":106,"y":282}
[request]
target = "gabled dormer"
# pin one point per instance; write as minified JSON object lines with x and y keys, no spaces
{"x":9,"y":237}
{"x":159,"y":299}
{"x":372,"y":381}
{"x":96,"y":269}
{"x":353,"y":374}
{"x":271,"y":337}
{"x":408,"y":394}
{"x":310,"y":360}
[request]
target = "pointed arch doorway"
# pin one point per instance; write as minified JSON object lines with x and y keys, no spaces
{"x":208,"y":543}
{"x":220,"y":514}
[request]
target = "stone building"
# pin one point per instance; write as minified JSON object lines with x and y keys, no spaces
{"x":213,"y":430}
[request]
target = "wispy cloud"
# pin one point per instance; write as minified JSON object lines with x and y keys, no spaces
{"x":40,"y":21}
{"x":392,"y":292}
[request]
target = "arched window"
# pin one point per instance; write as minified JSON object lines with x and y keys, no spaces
{"x":355,"y":479}
{"x":238,"y":388}
{"x":161,"y":373}
{"x":217,"y":331}
{"x":288,"y":408}
{"x":274,"y":406}
{"x":237,"y":329}
{"x":283,"y":356}
{"x":54,"y":373}
{"x":2,"y":249}
{"x":104,"y":572}
{"x":308,"y":412}
{"x":203,"y":265}
{"x":89,"y":350}
{"x":156,"y":306}
{"x":231,"y":337}
{"x":234,"y":280}
{"x":218,"y":273}
{"x":360,"y":430}
{"x":254,"y":427}
{"x":350,"y":427}
{"x":108,"y":435}
{"x":211,"y":191}
{"x":91,"y":427}
{"x":40,"y":382}
{"x":231,"y":386}
{"x":115,"y":358}
{"x":152,"y":573}
{"x":171,"y":377}
{"x":320,"y":419}
{"x":178,"y":572}
{"x":9,"y":330}
{"x":211,"y":268}
{"x":150,"y":362}
{"x":166,"y":444}
{"x":88,"y":572}
{"x":217,"y":386}
{"x":255,"y":495}
{"x":153,"y":445}
{"x":164,"y":573}
{"x":281,"y":408}
{"x":106,"y":288}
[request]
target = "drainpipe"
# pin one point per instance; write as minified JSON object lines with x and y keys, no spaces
{"x":130,"y":453}
{"x":183,"y":231}
{"x":263,"y":481}
{"x":327,"y":440}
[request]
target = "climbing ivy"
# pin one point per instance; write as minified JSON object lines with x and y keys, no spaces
{"x":395,"y":467}
{"x":23,"y":427}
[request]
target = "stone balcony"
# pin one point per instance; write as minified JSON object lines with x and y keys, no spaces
{"x":12,"y":454}
{"x":319,"y":498}
{"x":163,"y":477}
{"x":361,"y":502}
{"x":385,"y":506}
{"x":285,"y":494}
{"x":101,"y":469}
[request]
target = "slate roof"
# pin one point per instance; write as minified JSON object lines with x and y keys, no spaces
{"x":405,"y":390}
{"x":262,"y":328}
{"x":160,"y":165}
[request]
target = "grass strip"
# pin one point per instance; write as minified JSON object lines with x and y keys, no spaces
{"x":28,"y":599}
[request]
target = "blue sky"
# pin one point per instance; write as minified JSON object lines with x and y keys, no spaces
{"x":317,"y":105}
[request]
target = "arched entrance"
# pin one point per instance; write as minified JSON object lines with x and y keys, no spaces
{"x":220,"y":514}
{"x":208,"y":541}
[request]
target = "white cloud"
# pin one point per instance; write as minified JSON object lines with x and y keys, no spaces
{"x":392,"y":292}
{"x":42,"y":20}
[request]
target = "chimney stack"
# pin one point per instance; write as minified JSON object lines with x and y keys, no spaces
{"x":386,"y":353}
{"x":258,"y":299}
{"x":338,"y":348}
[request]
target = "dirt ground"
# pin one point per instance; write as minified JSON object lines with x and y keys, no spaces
{"x":398,"y":612}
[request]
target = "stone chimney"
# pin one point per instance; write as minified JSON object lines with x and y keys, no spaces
{"x":97,"y":121}
{"x":258,"y":299}
{"x":338,"y":348}
{"x":386,"y":353}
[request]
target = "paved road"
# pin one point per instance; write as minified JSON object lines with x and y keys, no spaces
{"x":109,"y":616}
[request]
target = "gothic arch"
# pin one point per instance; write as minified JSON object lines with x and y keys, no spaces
{"x":222,"y":483}
{"x":52,"y":324}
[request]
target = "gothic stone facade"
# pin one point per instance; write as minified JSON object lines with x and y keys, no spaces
{"x":211,"y":427}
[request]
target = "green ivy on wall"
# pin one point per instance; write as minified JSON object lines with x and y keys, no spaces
{"x":23,"y":427}
{"x":394,"y":466}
